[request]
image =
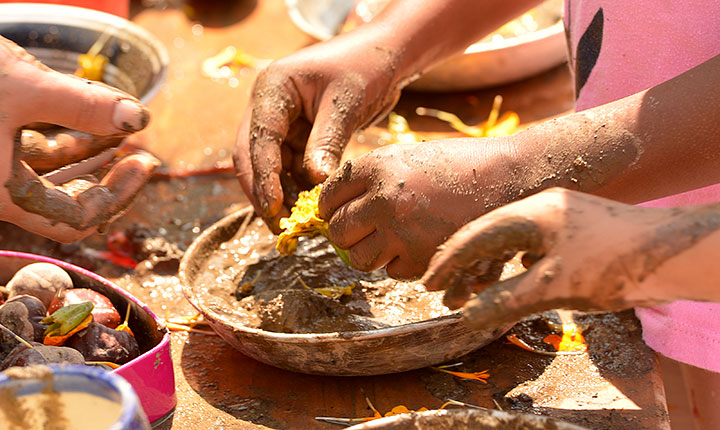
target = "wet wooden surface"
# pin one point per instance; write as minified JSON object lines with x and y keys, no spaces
{"x":193,"y":126}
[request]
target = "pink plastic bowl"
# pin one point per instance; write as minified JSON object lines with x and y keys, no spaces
{"x":150,"y":374}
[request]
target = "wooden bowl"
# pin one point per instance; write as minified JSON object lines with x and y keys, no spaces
{"x":370,"y":352}
{"x":466,"y":419}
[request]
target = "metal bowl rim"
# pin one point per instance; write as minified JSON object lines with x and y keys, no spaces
{"x":481,"y":46}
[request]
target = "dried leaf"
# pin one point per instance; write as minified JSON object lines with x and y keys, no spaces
{"x":475,"y":376}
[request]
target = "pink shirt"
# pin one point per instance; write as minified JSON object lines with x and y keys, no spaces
{"x":620,"y":47}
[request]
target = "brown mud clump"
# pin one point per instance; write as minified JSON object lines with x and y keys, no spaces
{"x":311,"y":291}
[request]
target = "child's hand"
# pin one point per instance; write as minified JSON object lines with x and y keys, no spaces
{"x":32,"y":93}
{"x":395,"y":205}
{"x":303,"y":111}
{"x":584,"y":253}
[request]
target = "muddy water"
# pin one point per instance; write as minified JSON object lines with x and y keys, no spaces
{"x":263,"y":290}
{"x":58,"y":411}
{"x":53,"y":410}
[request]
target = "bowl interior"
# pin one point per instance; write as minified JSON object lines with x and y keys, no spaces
{"x":218,"y":301}
{"x":57,"y":35}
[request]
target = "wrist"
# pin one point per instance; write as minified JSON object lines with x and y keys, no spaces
{"x":584,"y":151}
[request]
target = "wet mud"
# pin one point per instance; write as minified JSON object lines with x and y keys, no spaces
{"x":274,"y":293}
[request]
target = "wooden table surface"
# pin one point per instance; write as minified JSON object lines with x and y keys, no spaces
{"x":193,"y":126}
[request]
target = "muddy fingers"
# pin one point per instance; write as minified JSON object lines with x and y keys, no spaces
{"x":81,"y":203}
{"x":497,"y":305}
{"x":60,"y":147}
{"x":515,"y":298}
{"x":122,"y":183}
{"x":276,"y":105}
{"x":477,"y":252}
{"x":483,"y":273}
{"x":339,"y":115}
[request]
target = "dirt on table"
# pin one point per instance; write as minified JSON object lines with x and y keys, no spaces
{"x":312,"y":291}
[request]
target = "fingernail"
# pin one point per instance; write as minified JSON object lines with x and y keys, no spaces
{"x":130,"y":115}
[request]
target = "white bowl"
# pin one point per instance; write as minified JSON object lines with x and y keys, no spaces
{"x":57,"y":35}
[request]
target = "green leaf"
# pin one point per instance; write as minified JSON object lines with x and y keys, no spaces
{"x":344,"y":254}
{"x":68,"y":317}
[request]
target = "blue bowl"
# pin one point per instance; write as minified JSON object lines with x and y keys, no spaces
{"x":82,"y":379}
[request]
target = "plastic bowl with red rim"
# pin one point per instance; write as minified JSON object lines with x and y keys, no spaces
{"x":151,"y":373}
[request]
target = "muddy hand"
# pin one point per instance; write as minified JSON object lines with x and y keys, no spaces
{"x":52,"y":149}
{"x":303,"y":111}
{"x":395,"y":205}
{"x":582,"y":252}
{"x":32,"y":93}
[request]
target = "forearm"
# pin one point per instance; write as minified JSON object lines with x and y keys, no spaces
{"x":654,"y":143}
{"x":425,"y":32}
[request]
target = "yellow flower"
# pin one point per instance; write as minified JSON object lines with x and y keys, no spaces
{"x":304,"y":220}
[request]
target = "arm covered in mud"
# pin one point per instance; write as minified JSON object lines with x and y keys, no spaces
{"x":306,"y":106}
{"x":97,"y":117}
{"x":583,"y":252}
{"x":395,"y":205}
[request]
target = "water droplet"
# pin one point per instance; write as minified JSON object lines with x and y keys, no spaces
{"x":197,"y":29}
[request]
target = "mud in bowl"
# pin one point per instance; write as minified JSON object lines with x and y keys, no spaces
{"x":361,"y":350}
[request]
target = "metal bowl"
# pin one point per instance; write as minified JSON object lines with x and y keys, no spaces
{"x":151,"y":373}
{"x":483,"y":64}
{"x":466,"y":419}
{"x":371,"y":352}
{"x":57,"y":35}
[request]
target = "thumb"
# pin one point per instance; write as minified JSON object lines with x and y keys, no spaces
{"x":334,"y":124}
{"x":93,"y":107}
